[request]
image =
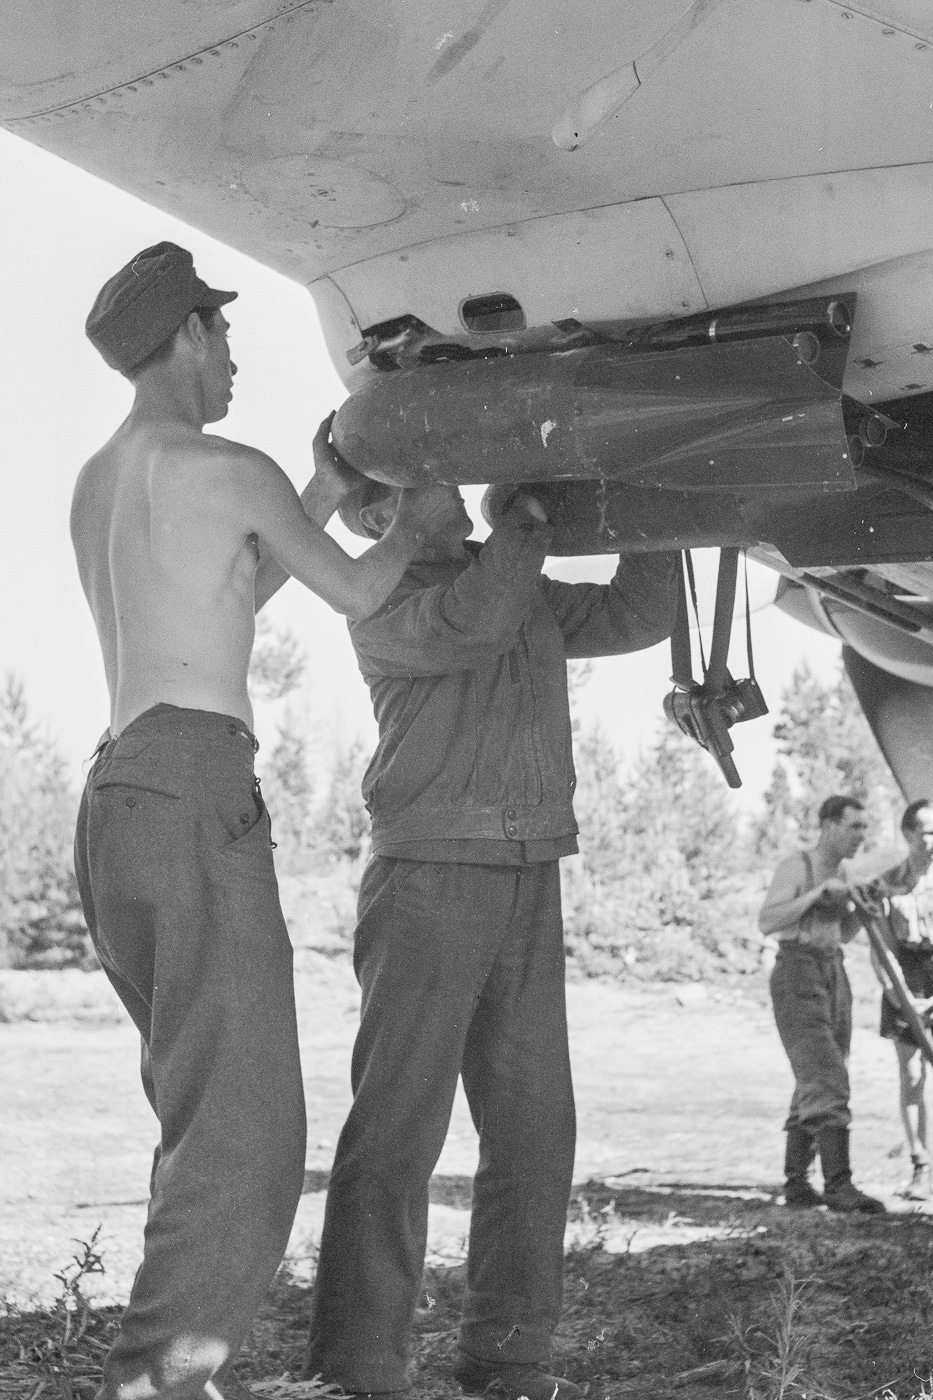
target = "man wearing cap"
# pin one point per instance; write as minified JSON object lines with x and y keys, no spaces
{"x":179,"y":537}
{"x":459,"y":942}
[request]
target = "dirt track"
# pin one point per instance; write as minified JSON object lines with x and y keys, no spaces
{"x":668,"y":1093}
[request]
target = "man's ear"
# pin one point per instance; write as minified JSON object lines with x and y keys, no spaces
{"x":193,"y":330}
{"x":377,"y":516}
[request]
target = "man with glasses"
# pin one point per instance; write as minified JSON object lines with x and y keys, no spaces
{"x":809,"y":910}
{"x":906,"y":895}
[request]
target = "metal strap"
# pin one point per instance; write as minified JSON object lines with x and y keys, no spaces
{"x":681,"y":653}
{"x":748,"y":621}
{"x":688,"y":560}
{"x":717,"y":673}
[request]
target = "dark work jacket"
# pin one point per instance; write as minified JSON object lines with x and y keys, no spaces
{"x":466,"y":664}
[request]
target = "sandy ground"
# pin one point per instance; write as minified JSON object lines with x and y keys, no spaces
{"x":673,"y":1086}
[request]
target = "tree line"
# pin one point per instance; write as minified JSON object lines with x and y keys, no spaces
{"x":670,"y":873}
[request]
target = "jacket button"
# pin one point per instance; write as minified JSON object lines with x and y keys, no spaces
{"x":131,"y":802}
{"x":511,"y":831}
{"x":511,"y":814}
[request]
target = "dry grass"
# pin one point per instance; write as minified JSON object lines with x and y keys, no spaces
{"x":771,"y":1305}
{"x":672,"y":1290}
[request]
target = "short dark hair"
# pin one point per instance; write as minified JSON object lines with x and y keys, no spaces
{"x":909,"y":819}
{"x":161,"y":353}
{"x":835,"y":808}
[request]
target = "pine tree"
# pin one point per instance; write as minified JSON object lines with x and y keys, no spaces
{"x":311,"y":781}
{"x":685,"y":842}
{"x":289,"y":791}
{"x":276,"y":670}
{"x":278,"y":662}
{"x":658,"y":887}
{"x":342,"y":823}
{"x":41,"y":924}
{"x":825,"y":747}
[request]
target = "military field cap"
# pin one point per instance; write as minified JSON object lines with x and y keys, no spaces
{"x":145,"y":302}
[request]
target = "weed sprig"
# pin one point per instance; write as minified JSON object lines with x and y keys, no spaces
{"x":58,"y":1354}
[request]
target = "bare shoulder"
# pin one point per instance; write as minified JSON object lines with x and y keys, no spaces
{"x":214,"y":476}
{"x":196,"y":448}
{"x":234,"y":464}
{"x":92,"y":485}
{"x":228,"y":449}
{"x":789,"y":874}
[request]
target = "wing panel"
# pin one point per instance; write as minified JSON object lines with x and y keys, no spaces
{"x":53,"y":53}
{"x":343,"y":132}
{"x":909,"y":17}
{"x":751,"y":240}
{"x":900,"y":712}
{"x":623,"y":262}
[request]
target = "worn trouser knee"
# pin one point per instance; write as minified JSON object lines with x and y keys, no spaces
{"x":482,"y":989}
{"x":174,"y":862}
{"x":812,"y":1009}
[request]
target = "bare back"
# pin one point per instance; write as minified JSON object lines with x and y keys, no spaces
{"x":168,"y":568}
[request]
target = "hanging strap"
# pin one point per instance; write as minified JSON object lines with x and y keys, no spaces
{"x":688,"y":560}
{"x":681,"y":653}
{"x":808,"y":869}
{"x":748,"y":621}
{"x":716,"y":674}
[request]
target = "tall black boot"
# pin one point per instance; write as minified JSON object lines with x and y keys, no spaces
{"x":920,"y":1188}
{"x":838,"y":1190}
{"x":799,"y":1153}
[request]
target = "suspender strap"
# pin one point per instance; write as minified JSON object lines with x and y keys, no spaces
{"x":808,"y":869}
{"x":717,"y":674}
{"x":681,"y":654}
{"x":688,"y":561}
{"x":748,"y":622}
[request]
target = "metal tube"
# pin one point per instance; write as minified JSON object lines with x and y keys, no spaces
{"x":868,"y":600}
{"x":831,"y":317}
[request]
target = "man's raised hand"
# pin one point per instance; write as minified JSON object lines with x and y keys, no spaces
{"x":334,"y":478}
{"x":514,"y":506}
{"x":525,"y":512}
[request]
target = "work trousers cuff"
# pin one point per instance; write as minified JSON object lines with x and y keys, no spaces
{"x":515,"y":1343}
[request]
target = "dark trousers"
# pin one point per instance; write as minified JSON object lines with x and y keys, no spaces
{"x":462,"y":972}
{"x":174,"y":863}
{"x":813,"y":1010}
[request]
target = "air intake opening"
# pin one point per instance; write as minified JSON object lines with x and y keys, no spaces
{"x":497,"y":311}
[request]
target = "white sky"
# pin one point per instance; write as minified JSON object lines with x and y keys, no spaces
{"x":62,"y":234}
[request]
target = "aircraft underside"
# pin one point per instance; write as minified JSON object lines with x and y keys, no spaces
{"x":671,"y":262}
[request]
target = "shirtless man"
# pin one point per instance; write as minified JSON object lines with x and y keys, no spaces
{"x":810,"y":911}
{"x":179,"y":536}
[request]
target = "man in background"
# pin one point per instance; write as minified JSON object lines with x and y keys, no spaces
{"x":810,"y":911}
